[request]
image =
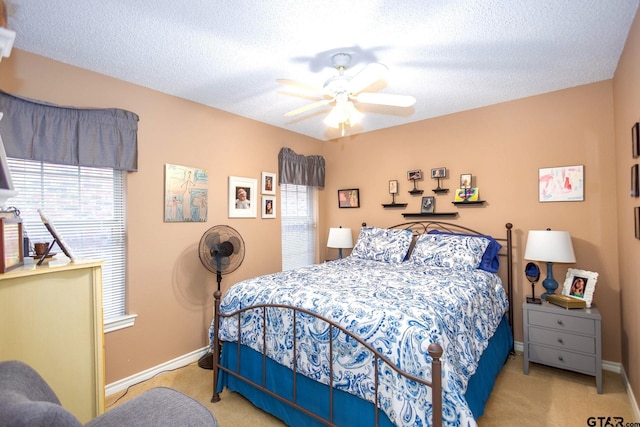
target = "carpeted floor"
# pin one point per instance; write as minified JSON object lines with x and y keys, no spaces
{"x":545,"y":397}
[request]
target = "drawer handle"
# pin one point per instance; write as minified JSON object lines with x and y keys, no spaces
{"x":560,"y":322}
{"x":560,"y":358}
{"x":560,"y":340}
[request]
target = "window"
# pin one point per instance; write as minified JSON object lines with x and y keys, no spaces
{"x":298,"y":225}
{"x":87,"y":207}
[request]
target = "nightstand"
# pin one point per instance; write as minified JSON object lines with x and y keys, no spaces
{"x":563,"y":338}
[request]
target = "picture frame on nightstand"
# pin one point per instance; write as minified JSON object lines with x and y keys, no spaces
{"x":580,"y":284}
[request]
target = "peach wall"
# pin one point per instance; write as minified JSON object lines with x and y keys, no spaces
{"x":626,"y":90}
{"x":168,"y":288}
{"x":503,"y":146}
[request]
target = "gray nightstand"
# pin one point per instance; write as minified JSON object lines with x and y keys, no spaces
{"x":563,"y":338}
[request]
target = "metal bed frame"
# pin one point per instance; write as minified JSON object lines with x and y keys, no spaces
{"x":434,"y":349}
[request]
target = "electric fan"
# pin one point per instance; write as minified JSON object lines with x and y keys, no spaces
{"x":221,"y":250}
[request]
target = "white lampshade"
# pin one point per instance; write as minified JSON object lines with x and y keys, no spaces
{"x":549,"y":246}
{"x":7,"y":38}
{"x":340,"y":238}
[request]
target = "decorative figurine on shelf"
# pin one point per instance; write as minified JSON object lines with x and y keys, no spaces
{"x":439,"y":173}
{"x":414,"y":175}
{"x":393,"y":190}
{"x":466,"y":193}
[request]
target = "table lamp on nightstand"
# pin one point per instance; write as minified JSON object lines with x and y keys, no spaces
{"x":549,"y":246}
{"x":340,"y":238}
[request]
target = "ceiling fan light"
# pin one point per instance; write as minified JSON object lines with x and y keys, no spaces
{"x":355,"y":116}
{"x":338,"y":114}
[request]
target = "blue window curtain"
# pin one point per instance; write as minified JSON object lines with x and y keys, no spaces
{"x":34,"y":130}
{"x":300,"y":170}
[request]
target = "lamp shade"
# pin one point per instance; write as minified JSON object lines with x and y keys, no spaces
{"x":340,"y":238}
{"x":549,"y":246}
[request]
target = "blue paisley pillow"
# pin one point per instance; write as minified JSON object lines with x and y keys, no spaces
{"x":448,"y":250}
{"x":382,"y":244}
{"x":490,"y":259}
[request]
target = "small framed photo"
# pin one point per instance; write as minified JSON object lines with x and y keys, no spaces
{"x":636,"y":220}
{"x":242,"y":197}
{"x":635,"y":140}
{"x":439,"y":173}
{"x":465,"y":180}
{"x":393,"y":186}
{"x":635,"y":190}
{"x":268,"y":183}
{"x":11,"y":249}
{"x":427,"y":204}
{"x":349,"y":198}
{"x":580,"y":284}
{"x":414,"y":175}
{"x":268,"y":207}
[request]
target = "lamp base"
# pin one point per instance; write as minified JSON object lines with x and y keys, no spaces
{"x":549,"y":283}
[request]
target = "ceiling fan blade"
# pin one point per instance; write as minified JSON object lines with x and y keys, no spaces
{"x":299,"y":85}
{"x":308,"y":107}
{"x":385,"y":99}
{"x":365,"y":78}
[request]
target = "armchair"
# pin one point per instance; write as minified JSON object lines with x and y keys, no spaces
{"x":27,"y":400}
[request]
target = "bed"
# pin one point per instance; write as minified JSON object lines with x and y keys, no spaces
{"x":416,"y":319}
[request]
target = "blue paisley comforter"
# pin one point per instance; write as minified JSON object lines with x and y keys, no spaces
{"x":399,"y":309}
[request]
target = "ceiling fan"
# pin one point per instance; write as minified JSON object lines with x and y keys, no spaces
{"x":344,"y":89}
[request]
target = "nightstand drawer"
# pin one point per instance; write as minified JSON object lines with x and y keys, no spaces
{"x":562,"y":359}
{"x":561,"y":321}
{"x":562,"y":340}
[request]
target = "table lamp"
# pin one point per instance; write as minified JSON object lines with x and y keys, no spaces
{"x":549,"y":246}
{"x":340,"y":238}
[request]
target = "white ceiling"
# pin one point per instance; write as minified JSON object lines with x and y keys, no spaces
{"x":452,"y":55}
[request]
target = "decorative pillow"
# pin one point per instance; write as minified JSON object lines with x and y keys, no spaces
{"x":382,"y":244}
{"x":459,"y":252}
{"x":490,"y":259}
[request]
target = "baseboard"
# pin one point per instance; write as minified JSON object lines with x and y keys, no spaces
{"x":178,"y":362}
{"x":632,"y":398}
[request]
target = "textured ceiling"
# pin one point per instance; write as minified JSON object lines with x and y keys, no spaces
{"x":451,"y":55}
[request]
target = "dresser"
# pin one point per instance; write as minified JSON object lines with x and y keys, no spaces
{"x":51,"y":319}
{"x":563,"y":338}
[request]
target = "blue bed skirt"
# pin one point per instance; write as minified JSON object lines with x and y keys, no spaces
{"x":348,"y":410}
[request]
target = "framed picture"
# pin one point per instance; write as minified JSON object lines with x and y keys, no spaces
{"x":393,"y":186}
{"x":635,"y":191}
{"x":635,"y":140}
{"x":636,"y":219}
{"x":11,"y":249}
{"x":268,"y":207}
{"x":561,"y":184}
{"x":465,"y":180}
{"x":57,"y":238}
{"x":349,"y":198}
{"x":242,"y":197}
{"x":439,"y":173}
{"x":268,"y":183}
{"x":427,"y":204}
{"x":186,"y":194}
{"x":414,"y":175}
{"x":580,"y":284}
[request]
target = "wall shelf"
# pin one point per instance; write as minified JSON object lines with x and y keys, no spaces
{"x":440,"y":190}
{"x":475,"y":202}
{"x":394,"y":205}
{"x":413,"y":215}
